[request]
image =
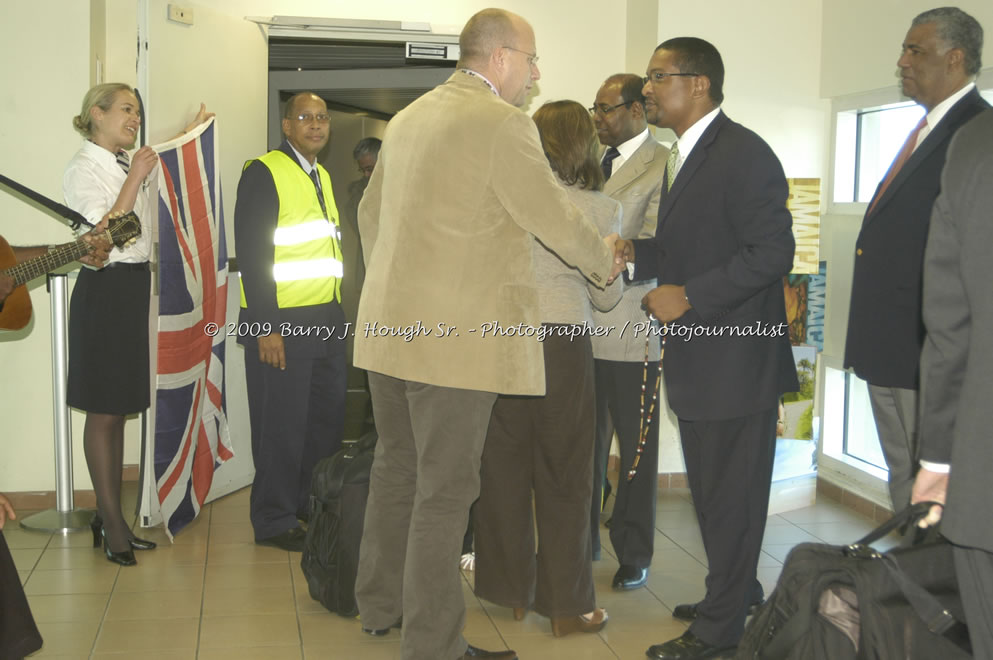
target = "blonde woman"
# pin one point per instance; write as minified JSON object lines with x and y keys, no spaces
{"x":108,"y":312}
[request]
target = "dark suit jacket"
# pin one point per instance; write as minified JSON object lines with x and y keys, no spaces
{"x":957,"y":361}
{"x":725,"y":233}
{"x":256,"y":213}
{"x":885,"y":331}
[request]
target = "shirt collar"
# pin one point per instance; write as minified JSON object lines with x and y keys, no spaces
{"x":628,"y":147}
{"x":939,"y":111}
{"x":304,"y":163}
{"x":99,"y":154}
{"x":692,"y":135}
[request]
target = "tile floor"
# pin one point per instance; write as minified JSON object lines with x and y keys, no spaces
{"x":215,"y":595}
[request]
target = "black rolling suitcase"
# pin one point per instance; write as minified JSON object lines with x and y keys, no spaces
{"x":338,"y":496}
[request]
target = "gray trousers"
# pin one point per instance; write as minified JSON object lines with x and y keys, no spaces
{"x":974,"y":571}
{"x":425,"y":475}
{"x":895,"y":411}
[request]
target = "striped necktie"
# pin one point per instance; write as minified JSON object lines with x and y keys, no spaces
{"x":124,"y":160}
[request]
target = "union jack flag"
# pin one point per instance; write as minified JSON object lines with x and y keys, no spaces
{"x":191,"y":428}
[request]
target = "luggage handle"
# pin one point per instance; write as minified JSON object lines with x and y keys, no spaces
{"x":337,"y":480}
{"x":909,"y":516}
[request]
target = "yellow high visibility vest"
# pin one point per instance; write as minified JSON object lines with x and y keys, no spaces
{"x":307,"y":264}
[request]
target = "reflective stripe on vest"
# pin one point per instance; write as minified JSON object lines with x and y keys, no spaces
{"x":307,"y":266}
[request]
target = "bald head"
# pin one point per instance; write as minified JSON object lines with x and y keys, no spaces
{"x":290,"y":110}
{"x":486,"y":31}
{"x":500,"y":46}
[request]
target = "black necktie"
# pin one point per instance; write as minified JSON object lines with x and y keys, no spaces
{"x":607,"y":164}
{"x":317,"y":185}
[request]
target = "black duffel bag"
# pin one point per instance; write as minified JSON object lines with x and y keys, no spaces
{"x":338,"y":493}
{"x":838,"y":602}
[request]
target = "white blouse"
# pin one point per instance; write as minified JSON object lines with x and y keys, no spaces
{"x":91,"y":183}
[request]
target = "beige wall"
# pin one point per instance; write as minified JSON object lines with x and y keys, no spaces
{"x":862,"y":40}
{"x":45,"y":48}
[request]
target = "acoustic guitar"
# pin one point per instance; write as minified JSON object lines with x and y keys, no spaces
{"x":16,"y":311}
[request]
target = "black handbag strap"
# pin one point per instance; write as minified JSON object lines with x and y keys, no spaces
{"x":934,"y":615}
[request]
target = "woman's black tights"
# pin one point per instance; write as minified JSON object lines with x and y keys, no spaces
{"x":103,"y":444}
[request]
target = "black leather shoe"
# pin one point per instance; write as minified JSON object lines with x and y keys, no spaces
{"x":291,"y":540}
{"x":473,"y":652}
{"x":379,"y":632}
{"x":96,"y":526}
{"x":125,"y":558}
{"x":686,"y":647}
{"x":142,"y":544}
{"x":687,"y":612}
{"x":629,"y":577}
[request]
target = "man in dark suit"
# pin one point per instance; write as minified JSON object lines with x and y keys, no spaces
{"x":957,"y":371}
{"x":940,"y":59}
{"x":291,"y":322}
{"x":723,"y":244}
{"x":633,"y":163}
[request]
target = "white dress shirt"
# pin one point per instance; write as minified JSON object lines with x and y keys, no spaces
{"x":91,"y":184}
{"x":626,"y":149}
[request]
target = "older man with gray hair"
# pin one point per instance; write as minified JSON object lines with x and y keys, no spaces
{"x":938,"y":65}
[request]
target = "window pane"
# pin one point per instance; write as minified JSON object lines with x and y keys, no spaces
{"x":882,"y":133}
{"x":861,"y":438}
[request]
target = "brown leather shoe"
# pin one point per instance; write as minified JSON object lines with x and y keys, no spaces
{"x":562,"y":626}
{"x":473,"y":652}
{"x":520,"y":613}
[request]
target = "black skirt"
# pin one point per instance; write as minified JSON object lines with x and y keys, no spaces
{"x":18,"y":632}
{"x":108,"y":340}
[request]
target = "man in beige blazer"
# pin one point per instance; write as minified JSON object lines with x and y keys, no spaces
{"x":633,"y":163}
{"x":446,"y":318}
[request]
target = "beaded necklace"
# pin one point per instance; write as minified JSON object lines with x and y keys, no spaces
{"x":645,"y":422}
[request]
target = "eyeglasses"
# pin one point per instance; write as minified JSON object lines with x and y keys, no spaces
{"x":659,"y":76}
{"x":307,"y":118}
{"x":605,"y":110}
{"x":532,"y":57}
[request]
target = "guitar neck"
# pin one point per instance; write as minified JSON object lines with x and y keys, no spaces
{"x":58,"y":256}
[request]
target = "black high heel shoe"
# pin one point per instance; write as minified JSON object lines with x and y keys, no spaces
{"x":125,"y":558}
{"x":96,"y":526}
{"x":142,"y":544}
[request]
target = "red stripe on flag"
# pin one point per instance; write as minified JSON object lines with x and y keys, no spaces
{"x":203,"y":466}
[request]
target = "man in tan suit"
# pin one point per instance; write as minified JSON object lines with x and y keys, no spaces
{"x":448,"y":221}
{"x":633,"y":163}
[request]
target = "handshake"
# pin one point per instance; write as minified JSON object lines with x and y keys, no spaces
{"x":666,"y":302}
{"x":623,"y":254}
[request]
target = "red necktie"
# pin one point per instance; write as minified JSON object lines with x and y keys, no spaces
{"x":901,"y":158}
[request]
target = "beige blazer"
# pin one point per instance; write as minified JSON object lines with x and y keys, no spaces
{"x":637,"y":185}
{"x":448,"y":223}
